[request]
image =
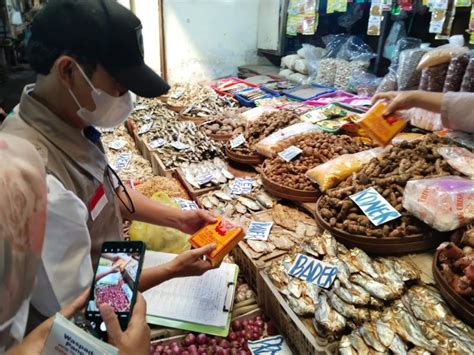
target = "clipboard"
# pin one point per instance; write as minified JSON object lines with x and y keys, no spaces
{"x":231,"y":284}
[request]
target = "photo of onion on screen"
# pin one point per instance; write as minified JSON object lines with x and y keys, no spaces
{"x":115,"y":281}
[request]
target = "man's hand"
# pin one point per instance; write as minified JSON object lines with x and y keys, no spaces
{"x":192,"y":221}
{"x":136,"y":339}
{"x":35,"y":341}
{"x":397,"y":100}
{"x":191,"y":263}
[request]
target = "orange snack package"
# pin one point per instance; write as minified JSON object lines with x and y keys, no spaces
{"x":381,"y":128}
{"x":223,"y":233}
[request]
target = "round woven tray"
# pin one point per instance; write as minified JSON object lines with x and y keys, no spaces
{"x":244,"y":159}
{"x":288,"y":193}
{"x":460,"y":306}
{"x":383,"y":246}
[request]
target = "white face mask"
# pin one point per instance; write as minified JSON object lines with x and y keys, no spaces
{"x":110,"y":111}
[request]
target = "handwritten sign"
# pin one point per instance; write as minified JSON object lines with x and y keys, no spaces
{"x":242,"y":186}
{"x":186,"y":204}
{"x":204,"y":179}
{"x":259,"y":230}
{"x":117,"y":144}
{"x":122,"y":161}
{"x":314,"y":271}
{"x":290,"y":153}
{"x":237,"y":141}
{"x":140,"y":107}
{"x":375,"y":207}
{"x":156,"y":143}
{"x":179,"y":145}
{"x":269,"y":346}
{"x":145,"y":128}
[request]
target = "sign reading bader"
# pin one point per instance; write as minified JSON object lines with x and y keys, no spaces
{"x":313,"y":270}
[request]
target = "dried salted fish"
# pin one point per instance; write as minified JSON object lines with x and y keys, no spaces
{"x":375,"y":288}
{"x":162,"y":184}
{"x":329,"y":244}
{"x":281,"y":241}
{"x":346,"y":309}
{"x":313,"y":291}
{"x":327,"y":317}
{"x":240,"y":208}
{"x":406,"y":270}
{"x":424,"y":305}
{"x":370,"y":336}
{"x":358,"y":343}
{"x":363,"y":262}
{"x":223,"y":195}
{"x":288,"y":217}
{"x":354,"y":295}
{"x":260,"y":247}
{"x":265,"y":200}
{"x":300,"y":307}
{"x":205,"y":173}
{"x":385,"y":333}
{"x":345,"y":347}
{"x":250,"y":204}
{"x":386,"y":269}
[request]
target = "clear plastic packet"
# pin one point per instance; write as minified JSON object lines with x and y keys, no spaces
{"x":455,"y":74}
{"x":397,"y":32}
{"x":440,"y":55}
{"x":408,"y":75}
{"x":271,"y":145}
{"x":467,"y":84}
{"x":363,"y":83}
{"x":334,"y":171}
{"x":333,"y":44}
{"x":255,"y":113}
{"x":289,"y":61}
{"x":327,"y":71}
{"x":312,"y":56}
{"x":389,"y":82}
{"x":444,"y":203}
{"x":460,"y":159}
{"x":427,"y":120}
{"x":402,"y":45}
{"x":432,"y":78}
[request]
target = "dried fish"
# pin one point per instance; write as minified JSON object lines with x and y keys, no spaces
{"x":327,"y":317}
{"x":369,"y":333}
{"x":363,"y":262}
{"x":358,"y":343}
{"x":375,"y":288}
{"x":265,"y":200}
{"x":407,"y":271}
{"x":355,"y":295}
{"x":261,"y":247}
{"x":386,"y":269}
{"x":250,"y":204}
{"x":346,"y":309}
{"x":300,"y":307}
{"x":345,"y":347}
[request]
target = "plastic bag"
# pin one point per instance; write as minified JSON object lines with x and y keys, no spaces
{"x":271,"y":145}
{"x":313,"y":57}
{"x":355,"y":49}
{"x":285,"y":73}
{"x":427,"y":120}
{"x":468,"y":79}
{"x":408,"y":75}
{"x":456,"y":70}
{"x":333,"y":44}
{"x":460,"y":159}
{"x":440,"y":55}
{"x":157,"y":238}
{"x":444,"y":203}
{"x":334,"y":171}
{"x":402,"y":45}
{"x":327,"y":71}
{"x":298,"y":78}
{"x":363,"y":83}
{"x":432,"y":78}
{"x":397,"y":32}
{"x":389,"y":82}
{"x":289,"y":61}
{"x":301,"y":66}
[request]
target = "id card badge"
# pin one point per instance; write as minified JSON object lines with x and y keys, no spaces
{"x":97,"y":202}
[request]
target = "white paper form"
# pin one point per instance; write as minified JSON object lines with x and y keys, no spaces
{"x":190,"y":299}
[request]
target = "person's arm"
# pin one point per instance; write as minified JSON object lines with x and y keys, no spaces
{"x":457,"y":112}
{"x":152,"y":212}
{"x":404,"y":100}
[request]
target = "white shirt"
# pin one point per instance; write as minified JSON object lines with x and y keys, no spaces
{"x":66,"y":268}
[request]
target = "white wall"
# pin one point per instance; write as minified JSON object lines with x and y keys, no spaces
{"x":206,"y":39}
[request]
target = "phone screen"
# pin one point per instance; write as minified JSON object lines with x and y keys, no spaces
{"x":115,"y":282}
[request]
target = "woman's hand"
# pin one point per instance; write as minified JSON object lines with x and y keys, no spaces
{"x":397,"y":100}
{"x":191,"y":263}
{"x":192,"y":221}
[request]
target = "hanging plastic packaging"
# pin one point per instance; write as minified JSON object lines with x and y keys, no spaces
{"x":397,"y":32}
{"x":445,"y":203}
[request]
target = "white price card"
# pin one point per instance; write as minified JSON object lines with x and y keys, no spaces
{"x":186,"y":204}
{"x":290,"y":153}
{"x":375,"y":207}
{"x":122,"y":161}
{"x":204,"y":179}
{"x":237,"y":141}
{"x":145,"y":128}
{"x":107,"y":130}
{"x":156,"y":143}
{"x":313,"y":270}
{"x":242,"y":186}
{"x":140,"y":107}
{"x":259,"y":230}
{"x":179,"y":145}
{"x":117,"y":144}
{"x":275,"y":345}
{"x":177,"y":95}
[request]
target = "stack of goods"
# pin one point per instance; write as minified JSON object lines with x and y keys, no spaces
{"x":252,"y":97}
{"x":229,"y":86}
{"x":316,"y":148}
{"x":124,"y":157}
{"x":265,"y":125}
{"x":388,"y":176}
{"x":206,"y":173}
{"x":225,"y":125}
{"x":169,"y":186}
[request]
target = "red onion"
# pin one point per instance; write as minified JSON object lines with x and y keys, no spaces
{"x":258,"y":318}
{"x":176,"y":350}
{"x":192,"y":349}
{"x":185,"y":352}
{"x":235,"y":344}
{"x":259,"y":323}
{"x":201,"y":339}
{"x":243,"y":334}
{"x":234,"y":351}
{"x":232,"y":336}
{"x":224,"y":343}
{"x":236,"y":325}
{"x":242,"y":352}
{"x":159,"y":348}
{"x":114,"y":296}
{"x":245,"y":323}
{"x":254,"y":336}
{"x":168,"y":352}
{"x":219,"y":350}
{"x":212,"y":341}
{"x":190,"y":339}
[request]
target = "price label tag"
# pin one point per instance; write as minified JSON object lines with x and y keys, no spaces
{"x":242,"y":186}
{"x":122,"y":161}
{"x":177,"y":95}
{"x":179,"y":145}
{"x":259,"y":230}
{"x":313,"y":270}
{"x":237,"y":141}
{"x":140,"y":107}
{"x":204,"y":179}
{"x":107,"y":130}
{"x":186,"y":204}
{"x":156,"y":143}
{"x":145,"y":128}
{"x":375,"y":207}
{"x":275,"y":345}
{"x":290,"y":153}
{"x":117,"y":144}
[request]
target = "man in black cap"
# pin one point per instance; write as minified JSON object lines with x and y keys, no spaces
{"x":88,"y":54}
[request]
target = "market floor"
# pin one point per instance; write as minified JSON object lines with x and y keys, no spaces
{"x":11,"y":90}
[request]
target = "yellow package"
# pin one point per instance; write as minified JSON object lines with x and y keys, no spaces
{"x":157,"y":238}
{"x":379,"y":127}
{"x":223,"y":233}
{"x":334,"y":171}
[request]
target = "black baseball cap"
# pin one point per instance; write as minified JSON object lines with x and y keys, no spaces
{"x":101,"y":30}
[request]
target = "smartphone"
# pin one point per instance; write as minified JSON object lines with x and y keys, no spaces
{"x":115,"y":282}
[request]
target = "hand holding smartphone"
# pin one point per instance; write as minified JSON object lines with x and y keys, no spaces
{"x":115,"y":283}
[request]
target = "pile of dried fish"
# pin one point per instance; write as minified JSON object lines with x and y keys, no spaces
{"x":207,"y":173}
{"x":360,"y":292}
{"x":179,"y":142}
{"x":170,"y":186}
{"x":123,"y":155}
{"x":223,"y":202}
{"x":419,"y":323}
{"x":147,"y":110}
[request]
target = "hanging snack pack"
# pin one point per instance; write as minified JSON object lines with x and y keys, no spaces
{"x":375,"y":18}
{"x":379,"y":127}
{"x":302,"y":17}
{"x":224,"y":234}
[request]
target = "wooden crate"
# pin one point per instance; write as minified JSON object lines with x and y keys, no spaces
{"x":299,"y":332}
{"x":192,"y":190}
{"x":156,"y":163}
